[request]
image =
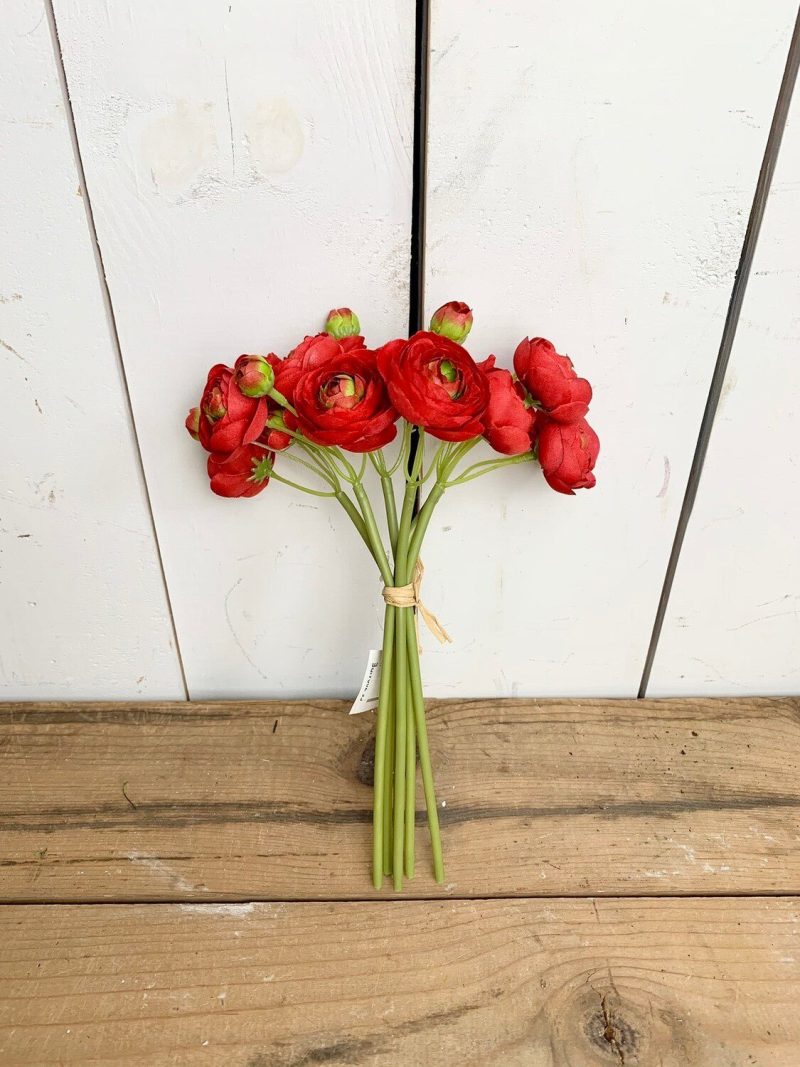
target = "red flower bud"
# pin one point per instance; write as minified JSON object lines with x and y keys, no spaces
{"x":275,"y":436}
{"x":244,"y":472}
{"x":193,"y":423}
{"x":254,"y":376}
{"x":568,"y":454}
{"x":342,"y":322}
{"x":452,"y":320}
{"x":551,"y":380}
{"x":508,"y":423}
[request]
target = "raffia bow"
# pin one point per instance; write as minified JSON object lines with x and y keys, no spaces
{"x":407,"y":596}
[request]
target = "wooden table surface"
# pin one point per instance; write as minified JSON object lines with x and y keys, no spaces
{"x":189,"y":883}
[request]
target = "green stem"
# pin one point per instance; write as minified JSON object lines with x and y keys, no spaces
{"x":318,"y":455}
{"x":477,"y":470}
{"x":401,"y":680}
{"x":454,"y":457}
{"x":413,"y":475}
{"x":415,"y":682}
{"x":280,"y":399}
{"x":402,"y":455}
{"x":409,"y":636}
{"x":357,"y":521}
{"x":392,"y":671}
{"x":400,"y":742}
{"x":391,"y":509}
{"x":378,"y":551}
{"x":381,"y":817}
{"x":448,"y":464}
{"x":296,"y":485}
{"x":384,"y":780}
{"x":388,"y":782}
{"x":422,"y":520}
{"x":384,"y":703}
{"x":315,"y":468}
{"x":418,"y":702}
{"x":436,"y":459}
{"x":444,"y":454}
{"x":337,"y":456}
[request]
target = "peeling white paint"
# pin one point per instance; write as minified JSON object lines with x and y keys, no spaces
{"x":228,"y":910}
{"x":164,"y":870}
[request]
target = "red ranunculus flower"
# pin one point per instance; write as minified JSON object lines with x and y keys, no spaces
{"x":436,"y":384}
{"x":551,"y":380}
{"x":567,"y":453}
{"x":228,"y":419}
{"x":244,"y":472}
{"x":249,"y":373}
{"x":311,"y":352}
{"x":342,"y":400}
{"x":508,"y":423}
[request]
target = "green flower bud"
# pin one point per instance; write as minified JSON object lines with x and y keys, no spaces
{"x":447,"y":370}
{"x":452,"y":320}
{"x":342,"y":322}
{"x":254,"y":376}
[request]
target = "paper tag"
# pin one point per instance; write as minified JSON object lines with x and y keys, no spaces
{"x":367,"y":699}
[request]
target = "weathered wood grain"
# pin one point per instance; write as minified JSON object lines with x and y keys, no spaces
{"x":573,"y":983}
{"x":125,"y":802}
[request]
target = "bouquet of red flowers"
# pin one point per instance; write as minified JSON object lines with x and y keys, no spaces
{"x":333,"y":396}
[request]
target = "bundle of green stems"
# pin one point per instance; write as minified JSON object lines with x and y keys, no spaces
{"x":401,"y":736}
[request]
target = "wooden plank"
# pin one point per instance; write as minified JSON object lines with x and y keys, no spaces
{"x":83,"y":611}
{"x":733,"y":621}
{"x":249,"y":167}
{"x":567,"y":982}
{"x":591,"y":168}
{"x":273,"y":801}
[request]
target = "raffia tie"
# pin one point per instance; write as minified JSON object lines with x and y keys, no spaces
{"x":407,"y":596}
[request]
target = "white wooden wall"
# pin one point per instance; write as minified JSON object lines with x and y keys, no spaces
{"x":83,"y":609}
{"x":248,"y":165}
{"x":592,"y":169}
{"x":733,"y":624}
